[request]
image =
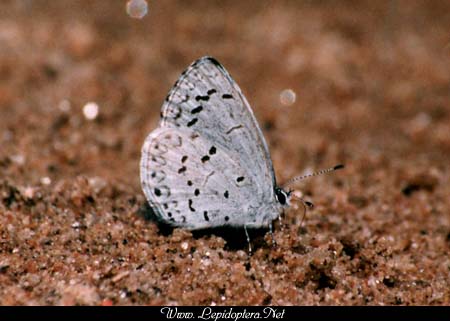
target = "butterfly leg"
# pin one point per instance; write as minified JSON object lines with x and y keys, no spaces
{"x":274,"y":243}
{"x":248,"y":241}
{"x":305,"y":204}
{"x":280,"y":220}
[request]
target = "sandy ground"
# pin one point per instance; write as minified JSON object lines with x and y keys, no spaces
{"x":372,"y":84}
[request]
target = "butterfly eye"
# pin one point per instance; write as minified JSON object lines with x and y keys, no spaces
{"x":280,"y":195}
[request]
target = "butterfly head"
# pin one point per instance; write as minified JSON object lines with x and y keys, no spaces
{"x":283,"y":197}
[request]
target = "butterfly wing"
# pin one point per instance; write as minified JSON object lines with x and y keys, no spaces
{"x":207,"y":110}
{"x":193,"y":183}
{"x":208,"y":101}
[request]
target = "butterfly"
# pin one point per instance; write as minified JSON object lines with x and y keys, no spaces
{"x":207,"y":164}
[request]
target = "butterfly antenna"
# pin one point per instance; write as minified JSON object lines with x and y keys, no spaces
{"x":323,"y":171}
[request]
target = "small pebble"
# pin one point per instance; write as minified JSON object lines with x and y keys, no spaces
{"x":46,"y":180}
{"x":28,"y":192}
{"x":19,"y":159}
{"x":64,"y":106}
{"x":90,"y":110}
{"x":120,"y":276}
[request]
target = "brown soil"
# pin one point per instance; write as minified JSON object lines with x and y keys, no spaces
{"x":372,"y":81}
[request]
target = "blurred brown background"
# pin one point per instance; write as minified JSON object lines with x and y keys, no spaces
{"x":372,"y":87}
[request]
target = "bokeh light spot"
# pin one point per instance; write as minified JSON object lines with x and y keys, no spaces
{"x":137,"y":8}
{"x":287,"y":97}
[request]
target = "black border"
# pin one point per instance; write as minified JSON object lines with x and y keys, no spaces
{"x":153,"y":313}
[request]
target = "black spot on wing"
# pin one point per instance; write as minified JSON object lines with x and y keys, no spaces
{"x":203,"y":98}
{"x":205,"y":158}
{"x":182,"y":170}
{"x":197,"y":192}
{"x":196,"y":110}
{"x":162,"y":190}
{"x":212,"y":150}
{"x":184,"y":158}
{"x":240,"y":179}
{"x":205,"y":215}
{"x":227,"y":96}
{"x":192,"y":122}
{"x":226,"y":194}
{"x":211,"y":91}
{"x":189,"y":183}
{"x":190,"y":206}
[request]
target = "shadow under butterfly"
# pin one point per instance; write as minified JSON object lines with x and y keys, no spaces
{"x":207,"y":167}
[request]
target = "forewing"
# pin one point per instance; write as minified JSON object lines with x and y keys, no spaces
{"x":192,"y":182}
{"x":208,"y":102}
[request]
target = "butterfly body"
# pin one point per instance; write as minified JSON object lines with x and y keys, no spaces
{"x":207,"y":164}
